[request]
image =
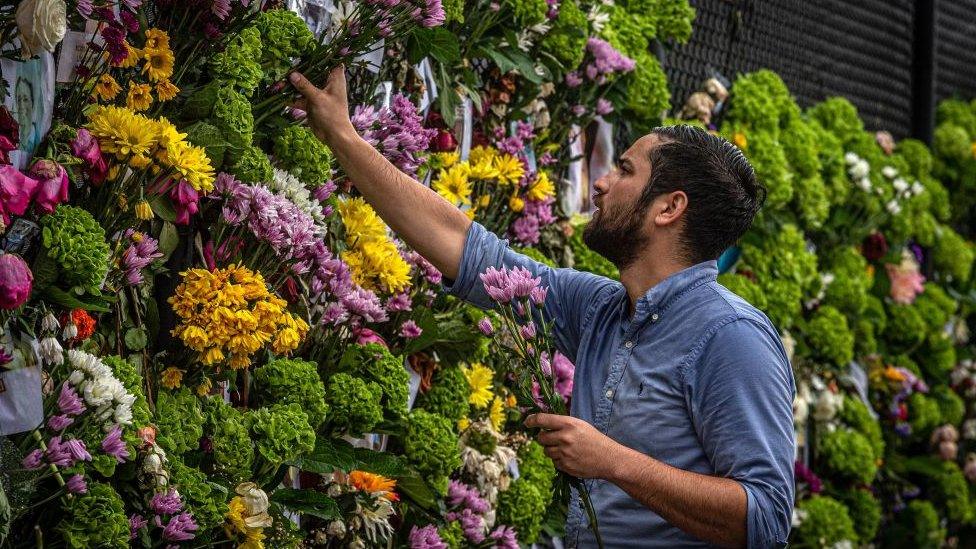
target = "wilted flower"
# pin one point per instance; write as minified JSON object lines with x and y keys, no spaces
{"x":16,"y":281}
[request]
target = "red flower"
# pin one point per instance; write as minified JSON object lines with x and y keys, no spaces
{"x":875,"y":246}
{"x":83,"y":321}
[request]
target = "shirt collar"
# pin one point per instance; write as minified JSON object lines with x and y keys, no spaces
{"x":660,"y":296}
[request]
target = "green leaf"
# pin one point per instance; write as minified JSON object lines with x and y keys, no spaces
{"x":329,"y":454}
{"x":136,"y":339}
{"x":505,"y":64}
{"x":417,"y":490}
{"x":380,"y":463}
{"x":151,"y":319}
{"x":69,"y":301}
{"x":169,"y":238}
{"x":525,"y":65}
{"x":308,"y":502}
{"x":45,"y":270}
{"x":437,"y":42}
{"x":162,"y":206}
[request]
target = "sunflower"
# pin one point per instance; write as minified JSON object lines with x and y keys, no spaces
{"x":107,"y":88}
{"x":480,"y":379}
{"x":453,"y":185}
{"x":159,"y":63}
{"x":166,"y":90}
{"x":139,"y":97}
{"x":542,"y":188}
{"x":374,"y":484}
{"x":510,"y":169}
{"x":156,"y":39}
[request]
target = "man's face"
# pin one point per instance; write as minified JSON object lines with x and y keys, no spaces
{"x":619,"y":228}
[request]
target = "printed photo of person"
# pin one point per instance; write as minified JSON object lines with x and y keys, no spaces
{"x":30,"y":99}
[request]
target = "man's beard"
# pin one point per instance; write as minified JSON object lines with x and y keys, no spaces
{"x":617,"y":238}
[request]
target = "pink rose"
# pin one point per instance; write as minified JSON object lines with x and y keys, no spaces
{"x":906,"y":283}
{"x":85,"y":147}
{"x":16,"y":190}
{"x":365,"y":336}
{"x":185,"y":200}
{"x":16,"y":280}
{"x":52,"y":185}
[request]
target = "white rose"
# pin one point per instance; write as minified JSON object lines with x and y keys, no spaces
{"x":42,"y":24}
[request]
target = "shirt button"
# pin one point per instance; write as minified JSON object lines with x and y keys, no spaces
{"x":629,"y":344}
{"x":609,"y":393}
{"x":654,"y":317}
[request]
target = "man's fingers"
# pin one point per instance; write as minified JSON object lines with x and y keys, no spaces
{"x":302,"y":84}
{"x":554,"y":453}
{"x":546,"y":421}
{"x":337,"y":79}
{"x":548,"y":438}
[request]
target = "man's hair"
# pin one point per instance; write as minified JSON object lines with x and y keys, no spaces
{"x":723,"y":194}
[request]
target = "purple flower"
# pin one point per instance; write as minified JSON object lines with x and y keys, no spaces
{"x":57,"y":453}
{"x":139,"y":255}
{"x":33,"y":460}
{"x":5,"y":356}
{"x":76,"y":484}
{"x":85,"y":8}
{"x":59,"y":422}
{"x":526,"y":229}
{"x":578,"y":110}
{"x":136,"y":523}
{"x":497,"y":285}
{"x":426,"y":268}
{"x":220,"y":8}
{"x":505,"y":538}
{"x":399,"y":302}
{"x":606,"y":60}
{"x":397,"y":132}
{"x":364,"y":304}
{"x":527,"y":330}
{"x":129,"y":20}
{"x":69,"y":402}
{"x":113,"y":444}
{"x":538,"y":295}
{"x":179,"y":528}
{"x":114,"y":36}
{"x":324,"y":191}
{"x":486,"y":327}
{"x":603,"y":107}
{"x":573,"y":79}
{"x":77,"y":450}
{"x":166,"y":503}
{"x":565,"y":371}
{"x":473,"y":526}
{"x":425,"y":538}
{"x":410,"y":330}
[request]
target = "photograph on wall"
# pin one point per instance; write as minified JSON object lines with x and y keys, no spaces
{"x":30,"y":99}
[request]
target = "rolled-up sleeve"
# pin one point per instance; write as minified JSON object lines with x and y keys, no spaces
{"x":741,"y":394}
{"x":571,"y":293}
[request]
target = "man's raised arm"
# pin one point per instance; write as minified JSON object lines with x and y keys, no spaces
{"x":425,"y":221}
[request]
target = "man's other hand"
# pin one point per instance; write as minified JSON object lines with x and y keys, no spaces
{"x":575,"y":446}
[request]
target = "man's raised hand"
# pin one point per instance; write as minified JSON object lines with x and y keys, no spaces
{"x":327,"y":107}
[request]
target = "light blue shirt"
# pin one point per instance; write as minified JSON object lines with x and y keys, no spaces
{"x":697,"y":378}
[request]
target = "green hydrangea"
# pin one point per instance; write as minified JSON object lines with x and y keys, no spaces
{"x":179,"y":419}
{"x":917,"y":155}
{"x":826,"y":522}
{"x":849,"y":290}
{"x":375,"y":363}
{"x":253,"y":166}
{"x":207,"y":504}
{"x":782,"y":302}
{"x":952,"y":142}
{"x":535,"y":254}
{"x":865,"y":511}
{"x":958,"y":112}
{"x":839,"y":116}
{"x":674,"y":19}
{"x":918,"y":527}
{"x":523,"y":506}
{"x":453,"y":11}
{"x":528,"y":12}
{"x":772,"y":170}
{"x":535,"y":467}
{"x":865,"y":338}
{"x":297,"y":150}
{"x":232,"y":116}
{"x":239,"y":64}
{"x":284,"y":36}
{"x":448,"y":394}
{"x":953,"y":255}
{"x":230,"y":438}
{"x":296,"y":381}
{"x":208,"y":136}
{"x":940,"y":203}
{"x":648,"y":97}
{"x":566,"y":40}
{"x":833,"y":168}
{"x":627,"y":31}
{"x":281,"y":432}
{"x":95,"y":519}
{"x":76,"y":241}
{"x":811,"y":201}
{"x":585,"y":259}
{"x":906,"y":362}
{"x":829,"y":338}
{"x":874,"y":311}
{"x":799,"y":141}
{"x":856,"y":415}
{"x":951,"y":406}
{"x":923,"y":415}
{"x":761,"y":103}
{"x":453,"y":535}
{"x":938,"y":356}
{"x":952,"y":491}
{"x":431,"y":446}
{"x":906,"y":328}
{"x":354,"y":404}
{"x":848,"y":455}
{"x":744,"y":288}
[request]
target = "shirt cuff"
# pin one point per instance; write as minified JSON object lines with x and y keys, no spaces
{"x":467,"y":275}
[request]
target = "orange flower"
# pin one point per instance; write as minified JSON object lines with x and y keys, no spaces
{"x":82,"y":321}
{"x":894,"y":374}
{"x":368,"y":482}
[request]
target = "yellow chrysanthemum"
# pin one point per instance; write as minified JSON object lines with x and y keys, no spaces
{"x":107,"y":89}
{"x":156,"y":39}
{"x":167,"y":135}
{"x":139,"y":97}
{"x":159,"y":63}
{"x":372,"y":483}
{"x":483,"y":171}
{"x":510,"y":169}
{"x":516,"y":204}
{"x":463,"y":424}
{"x":481,"y":154}
{"x":377,"y":265}
{"x":166,"y":90}
{"x":447,"y":159}
{"x":361,"y":221}
{"x":740,"y":140}
{"x":122,"y":132}
{"x":204,"y":388}
{"x":480,"y":378}
{"x":131,"y":58}
{"x":496,"y":414}
{"x":453,"y":185}
{"x":484,"y":200}
{"x":541,"y":189}
{"x":192,"y":163}
{"x":172,"y":378}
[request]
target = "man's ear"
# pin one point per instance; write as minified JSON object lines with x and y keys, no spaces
{"x":670,"y":208}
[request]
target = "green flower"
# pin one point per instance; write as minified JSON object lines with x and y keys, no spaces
{"x":849,"y":290}
{"x":253,"y":166}
{"x":952,"y":491}
{"x":354,"y":404}
{"x":535,"y":467}
{"x":648,"y":97}
{"x":951,"y":406}
{"x":523,"y":506}
{"x":299,"y":152}
{"x":375,"y":363}
{"x":917,"y":155}
{"x":284,"y":36}
{"x":768,"y":159}
{"x":906,"y":328}
{"x":937,"y":357}
{"x":76,"y":241}
{"x":448,"y":394}
{"x":296,"y":381}
{"x":785,"y":269}
{"x":528,"y":12}
{"x":865,"y":510}
{"x":95,"y":519}
{"x":761,"y":103}
{"x":239,"y":64}
{"x":744,"y":288}
{"x":207,"y":504}
{"x":281,"y":432}
{"x":674,"y":19}
{"x":453,"y":11}
{"x":832,"y":165}
{"x":924,"y":415}
{"x":839,"y":116}
{"x":958,"y":112}
{"x":232,"y":116}
{"x":180,"y":420}
{"x":848,"y":455}
{"x":953,"y":255}
{"x":566,"y":41}
{"x":826,"y":522}
{"x":917,"y":527}
{"x":856,"y":415}
{"x":453,"y":535}
{"x":230,"y":438}
{"x":431,"y":446}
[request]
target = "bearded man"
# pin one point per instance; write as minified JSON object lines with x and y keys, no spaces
{"x":682,"y":401}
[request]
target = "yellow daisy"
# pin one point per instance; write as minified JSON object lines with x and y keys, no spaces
{"x":482,"y":154}
{"x":166,"y":90}
{"x":159,"y":63}
{"x":192,"y":164}
{"x":122,"y":132}
{"x":107,"y":88}
{"x":480,"y":378}
{"x":484,"y":171}
{"x":542,"y":188}
{"x":361,"y":221}
{"x":497,"y":414}
{"x":447,"y":159}
{"x":132,"y":57}
{"x":156,"y":39}
{"x":377,"y":265}
{"x":172,"y":377}
{"x":140,"y":97}
{"x":510,"y":169}
{"x":453,"y":185}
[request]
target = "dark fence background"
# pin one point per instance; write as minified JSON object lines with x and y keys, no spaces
{"x":894,"y":59}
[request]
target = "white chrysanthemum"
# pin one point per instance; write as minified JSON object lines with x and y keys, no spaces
{"x":598,"y":18}
{"x":893,"y":207}
{"x":917,"y":188}
{"x":286,"y":185}
{"x":864,"y":184}
{"x":900,"y":184}
{"x":851,"y":158}
{"x":76,"y":377}
{"x":890,"y":172}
